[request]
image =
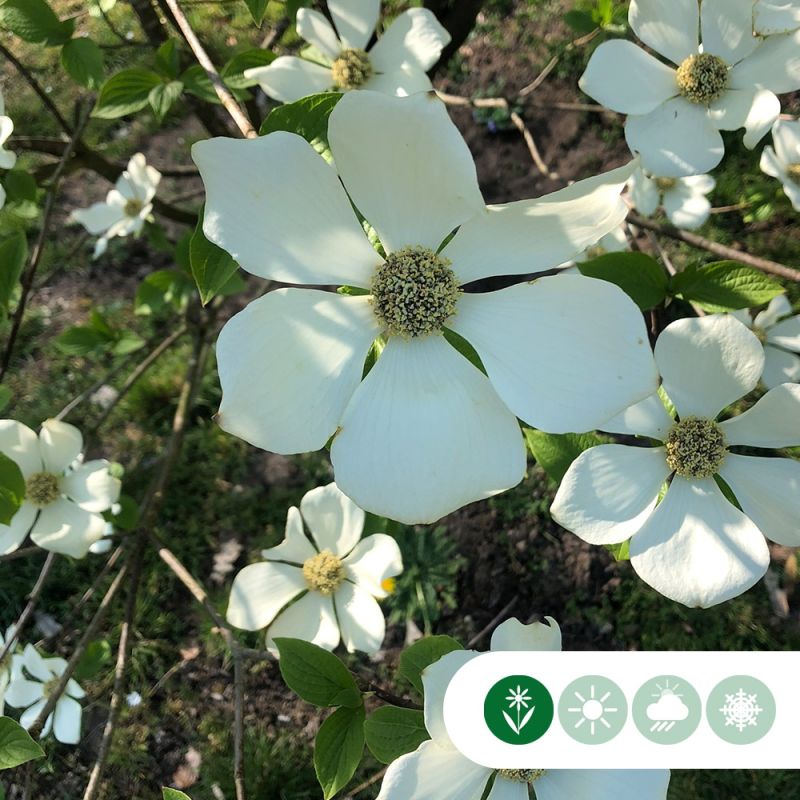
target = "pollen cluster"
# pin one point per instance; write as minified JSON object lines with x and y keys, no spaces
{"x":793,"y":172}
{"x":351,"y":70}
{"x":702,"y":78}
{"x":42,"y":488}
{"x":521,"y":775}
{"x":695,"y":447}
{"x":323,"y":572}
{"x":414,"y":292}
{"x":665,"y":184}
{"x":133,"y":208}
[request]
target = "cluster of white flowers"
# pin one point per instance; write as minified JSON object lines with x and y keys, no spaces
{"x":683,"y":199}
{"x":7,"y":158}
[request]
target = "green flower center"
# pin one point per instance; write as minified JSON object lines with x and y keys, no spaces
{"x":51,"y":686}
{"x":793,"y":171}
{"x":133,"y":208}
{"x":702,"y":78}
{"x":522,"y":775}
{"x":665,"y":184}
{"x":42,"y":488}
{"x":695,"y":447}
{"x":352,"y":69}
{"x":414,"y":292}
{"x":760,"y":334}
{"x":324,"y":572}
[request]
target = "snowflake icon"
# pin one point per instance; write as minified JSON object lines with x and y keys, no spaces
{"x":741,"y":710}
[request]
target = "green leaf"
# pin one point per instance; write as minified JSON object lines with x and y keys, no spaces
{"x":257,"y":9}
{"x":128,"y":515}
{"x":173,"y":794}
{"x":34,"y":21}
{"x":5,"y":396}
{"x":392,"y":732}
{"x":16,"y":745}
{"x":725,"y":286}
{"x":196,"y":82}
{"x":582,"y":22}
{"x":94,"y":658}
{"x":161,"y":289}
{"x":12,"y":489}
{"x":163,"y":97}
{"x":212,"y":267}
{"x":554,"y":452}
{"x":638,"y":275}
{"x":125,"y":93}
{"x":232,"y":72}
{"x":316,"y":675}
{"x":13,"y":255}
{"x":127,"y":342}
{"x":621,"y":551}
{"x":168,"y":60}
{"x":307,"y":118}
{"x":423,"y":653}
{"x":20,"y":186}
{"x":83,"y":61}
{"x":81,"y":340}
{"x":338,"y":749}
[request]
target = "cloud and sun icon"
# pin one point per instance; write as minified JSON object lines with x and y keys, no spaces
{"x":669,"y":708}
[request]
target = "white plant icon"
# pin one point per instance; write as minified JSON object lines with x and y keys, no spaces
{"x":518,"y":699}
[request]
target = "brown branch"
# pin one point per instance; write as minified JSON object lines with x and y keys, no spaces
{"x":499,"y":617}
{"x":366,"y":784}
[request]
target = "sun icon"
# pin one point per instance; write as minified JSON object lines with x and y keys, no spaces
{"x":593,"y":709}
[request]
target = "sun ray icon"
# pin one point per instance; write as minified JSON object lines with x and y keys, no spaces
{"x":593,"y":709}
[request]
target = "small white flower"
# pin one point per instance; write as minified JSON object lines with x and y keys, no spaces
{"x":396,"y":64}
{"x":426,"y":431}
{"x":683,"y":199}
{"x":776,"y":16}
{"x":333,"y":578}
{"x":726,"y":79}
{"x":437,"y":770}
{"x":783,"y":160}
{"x":5,"y":666}
{"x":7,"y":158}
{"x":64,"y":498}
{"x":33,"y":680}
{"x":694,"y":545}
{"x":103,"y":545}
{"x":127,"y":206}
{"x":780,"y":334}
{"x":614,"y":242}
{"x":133,"y":699}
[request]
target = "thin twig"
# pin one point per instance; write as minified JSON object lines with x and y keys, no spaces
{"x":551,"y":65}
{"x":275,"y":34}
{"x":24,"y":553}
{"x":496,"y":621}
{"x":90,"y":390}
{"x":366,"y":784}
{"x":520,"y":125}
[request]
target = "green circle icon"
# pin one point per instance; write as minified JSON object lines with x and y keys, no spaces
{"x":741,"y":709}
{"x":518,"y":709}
{"x":592,"y":710}
{"x":667,"y":709}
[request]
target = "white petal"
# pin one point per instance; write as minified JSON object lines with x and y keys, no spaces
{"x":315,"y":29}
{"x":289,"y":78}
{"x":776,"y":17}
{"x":355,"y":20}
{"x":360,"y":619}
{"x":372,"y":561}
{"x":73,"y":688}
{"x":260,"y":591}
{"x":13,"y":534}
{"x":698,"y":184}
{"x":289,"y":364}
{"x":625,"y":78}
{"x":645,"y":418}
{"x":278,"y":208}
{"x":603,"y":784}
{"x":786,"y":334}
{"x":676,"y":139}
{"x":768,"y":490}
{"x":20,"y":444}
{"x":578,"y":332}
{"x":400,"y":82}
{"x":100,"y":247}
{"x":311,"y":619}
{"x":514,"y":636}
{"x":434,"y":773}
{"x":31,"y":714}
{"x":23,"y":693}
{"x":335,"y":521}
{"x":67,"y":723}
{"x":2,"y":197}
{"x":425,"y":434}
{"x":91,"y":486}
{"x":670,"y":27}
{"x":697,"y":548}
{"x":35,"y":664}
{"x":295,"y":546}
{"x":775,"y":65}
{"x":60,"y":444}
{"x":727,"y":29}
{"x":786,"y":136}
{"x":65,"y":528}
{"x":145,"y":179}
{"x":686,"y":211}
{"x":707,"y":363}
{"x":535,"y":235}
{"x":774,"y":421}
{"x":644,"y":193}
{"x":503,"y":789}
{"x":435,"y":679}
{"x":779,"y":367}
{"x":792,"y":192}
{"x":415,"y":38}
{"x":755,"y":110}
{"x":405,"y":166}
{"x":777,"y":307}
{"x":610,"y":491}
{"x":98,"y":217}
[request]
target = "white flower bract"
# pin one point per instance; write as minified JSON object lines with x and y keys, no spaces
{"x":426,"y":431}
{"x":64,"y":497}
{"x":694,"y":545}
{"x":782,"y":161}
{"x":322,"y":589}
{"x":776,"y":16}
{"x":726,"y":79}
{"x":436,"y":769}
{"x":395,"y":65}
{"x":683,"y":199}
{"x":7,"y":158}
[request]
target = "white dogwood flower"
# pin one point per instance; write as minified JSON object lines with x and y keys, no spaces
{"x":779,"y":332}
{"x":783,"y":160}
{"x":395,"y":65}
{"x":694,"y":545}
{"x":436,"y":769}
{"x":426,"y":431}
{"x":32,"y":682}
{"x":5,"y":666}
{"x":683,"y":199}
{"x":776,"y":16}
{"x":126,"y":207}
{"x":725,"y":80}
{"x":321,"y":588}
{"x":7,"y":158}
{"x":64,"y":498}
